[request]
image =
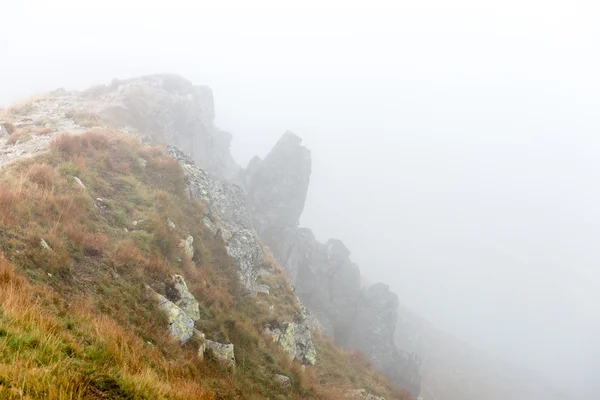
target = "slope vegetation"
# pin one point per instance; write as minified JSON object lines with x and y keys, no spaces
{"x":85,"y":230}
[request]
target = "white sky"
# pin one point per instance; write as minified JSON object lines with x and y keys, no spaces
{"x":456,"y":144}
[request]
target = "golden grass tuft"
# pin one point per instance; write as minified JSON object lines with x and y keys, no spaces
{"x":43,"y":175}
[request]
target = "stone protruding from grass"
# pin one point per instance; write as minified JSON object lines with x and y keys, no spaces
{"x":283,"y":380}
{"x":222,"y":352}
{"x":296,"y":340}
{"x":44,"y":245}
{"x":362,"y":394}
{"x":188,"y":247}
{"x":79,"y":182}
{"x":178,"y":293}
{"x":181,"y":325}
{"x":201,"y":339}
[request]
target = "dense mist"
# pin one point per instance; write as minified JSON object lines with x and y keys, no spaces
{"x":455,"y":147}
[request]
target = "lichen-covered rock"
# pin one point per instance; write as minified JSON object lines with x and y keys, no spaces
{"x":362,"y":394}
{"x":324,"y":277}
{"x":296,"y":340}
{"x":201,"y":339}
{"x":283,"y":380}
{"x":306,"y":352}
{"x":223,"y":352}
{"x":177,"y":292}
{"x":181,"y":325}
{"x":227,"y":216}
{"x":188,"y":247}
{"x":44,"y":245}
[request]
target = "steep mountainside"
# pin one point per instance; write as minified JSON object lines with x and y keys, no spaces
{"x":121,"y":242}
{"x":325,"y":277}
{"x":135,"y":271}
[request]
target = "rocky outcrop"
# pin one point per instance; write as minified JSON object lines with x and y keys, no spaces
{"x":164,"y":109}
{"x":181,"y":325}
{"x":325,"y":278}
{"x":188,"y":247}
{"x":362,"y":394}
{"x":222,"y":352}
{"x":178,"y":293}
{"x":173,"y":111}
{"x":296,"y":340}
{"x":376,"y":314}
{"x":227,"y":216}
{"x":282,"y":380}
{"x":277,"y":195}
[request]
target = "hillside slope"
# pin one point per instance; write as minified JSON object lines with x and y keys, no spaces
{"x":100,"y":280}
{"x":168,"y":110}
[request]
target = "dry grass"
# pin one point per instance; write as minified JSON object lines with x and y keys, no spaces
{"x":81,"y":356}
{"x":84,"y":118}
{"x":25,"y":105}
{"x":43,"y":175}
{"x":24,"y":134}
{"x":10,"y":128}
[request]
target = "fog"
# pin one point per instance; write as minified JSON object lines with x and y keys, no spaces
{"x":455,"y":146}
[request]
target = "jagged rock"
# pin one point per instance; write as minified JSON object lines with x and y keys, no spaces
{"x":306,"y":352}
{"x":3,"y":131}
{"x":227,"y":217}
{"x":78,"y":181}
{"x":188,"y":247}
{"x":178,"y":293}
{"x":283,"y":380}
{"x":142,"y":162}
{"x":377,"y":314}
{"x":172,"y":108}
{"x":181,"y":113}
{"x":324,"y":277}
{"x":201,"y":339}
{"x":262,"y":288}
{"x":296,"y":340}
{"x":286,"y":339}
{"x":170,"y":224}
{"x":181,"y":325}
{"x":277,"y":186}
{"x":222,"y":352}
{"x":362,"y":394}
{"x":44,"y":245}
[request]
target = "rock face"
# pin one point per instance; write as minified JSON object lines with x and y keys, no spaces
{"x":296,"y":340}
{"x":181,"y":325}
{"x":283,"y":380}
{"x":188,"y":247}
{"x":376,"y":313}
{"x":277,"y":186}
{"x":178,"y":293}
{"x":227,"y":216}
{"x":325,"y":278}
{"x":362,"y":394}
{"x":177,"y":112}
{"x":165,"y":109}
{"x":222,"y":352}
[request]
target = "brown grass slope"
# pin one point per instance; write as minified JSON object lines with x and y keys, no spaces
{"x":76,"y":321}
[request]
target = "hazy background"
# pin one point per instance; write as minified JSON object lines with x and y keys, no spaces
{"x":456,"y":145}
